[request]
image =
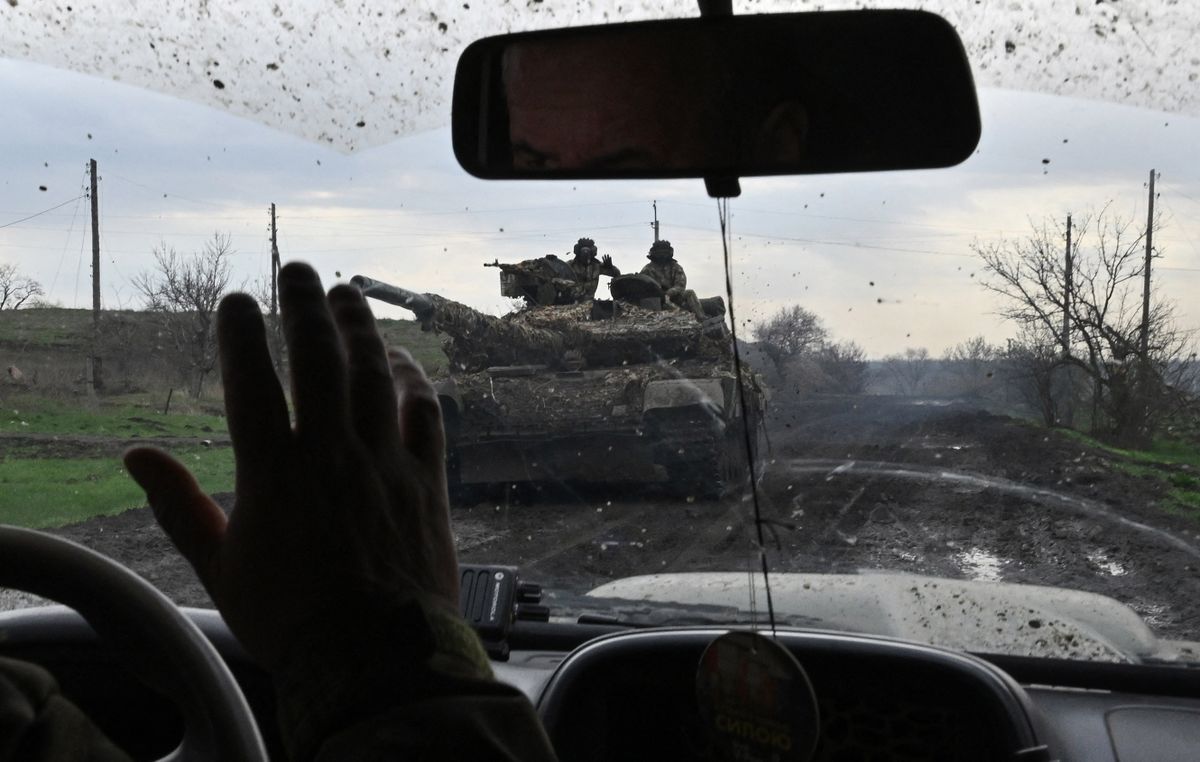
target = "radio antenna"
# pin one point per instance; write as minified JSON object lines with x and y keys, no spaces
{"x":726,"y":245}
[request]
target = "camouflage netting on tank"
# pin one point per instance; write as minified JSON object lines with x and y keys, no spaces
{"x":555,"y":317}
{"x":634,"y":335}
{"x":477,"y":340}
{"x":559,"y":336}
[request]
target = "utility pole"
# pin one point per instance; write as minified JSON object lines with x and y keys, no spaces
{"x":1066,"y":393}
{"x":274,"y":268}
{"x":1144,"y":343}
{"x":95,"y":248}
{"x":1143,"y":370}
{"x":1069,"y":268}
{"x":655,"y":204}
{"x":273,"y":323}
{"x":94,"y":380}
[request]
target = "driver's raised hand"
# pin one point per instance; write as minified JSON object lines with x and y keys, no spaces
{"x":337,"y":558}
{"x":351,"y":498}
{"x":336,"y":567}
{"x":335,"y":514}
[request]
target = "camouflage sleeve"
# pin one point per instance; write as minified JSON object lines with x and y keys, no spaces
{"x":425,"y":690}
{"x":393,"y":703}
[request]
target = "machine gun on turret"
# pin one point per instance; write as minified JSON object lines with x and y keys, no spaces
{"x":540,"y":282}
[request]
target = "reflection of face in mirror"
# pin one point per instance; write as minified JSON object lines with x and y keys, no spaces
{"x":636,"y":102}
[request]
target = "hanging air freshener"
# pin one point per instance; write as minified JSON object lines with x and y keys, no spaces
{"x":756,"y":700}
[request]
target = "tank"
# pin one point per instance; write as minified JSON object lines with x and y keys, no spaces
{"x":625,"y":390}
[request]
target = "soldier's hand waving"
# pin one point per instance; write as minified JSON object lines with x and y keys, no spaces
{"x":338,"y":516}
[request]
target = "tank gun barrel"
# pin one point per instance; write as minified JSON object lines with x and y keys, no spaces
{"x":477,"y":340}
{"x":421,"y":305}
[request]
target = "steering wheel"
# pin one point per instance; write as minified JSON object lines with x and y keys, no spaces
{"x":125,"y":609}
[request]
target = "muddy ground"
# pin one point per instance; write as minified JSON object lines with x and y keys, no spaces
{"x":923,"y":486}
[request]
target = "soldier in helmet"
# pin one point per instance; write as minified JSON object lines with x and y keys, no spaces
{"x":670,"y":275}
{"x":588,"y":271}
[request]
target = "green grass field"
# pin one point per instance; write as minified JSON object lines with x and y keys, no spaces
{"x":47,"y":327}
{"x":65,"y":335}
{"x":49,"y":492}
{"x":48,"y":482}
{"x":39,"y":487}
{"x":127,"y":416}
{"x":1163,"y":461}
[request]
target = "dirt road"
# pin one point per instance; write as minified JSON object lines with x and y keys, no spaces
{"x":854,"y":483}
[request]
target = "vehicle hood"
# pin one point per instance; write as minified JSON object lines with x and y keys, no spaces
{"x":977,"y":616}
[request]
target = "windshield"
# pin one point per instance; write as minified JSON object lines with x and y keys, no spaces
{"x":921,"y":396}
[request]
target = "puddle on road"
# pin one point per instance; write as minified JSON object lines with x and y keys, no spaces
{"x":980,"y":565}
{"x":1101,"y":561}
{"x":1155,"y":615}
{"x":841,"y":469}
{"x":610,"y":544}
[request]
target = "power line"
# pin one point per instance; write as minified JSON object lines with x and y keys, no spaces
{"x":1182,"y":227}
{"x":79,"y":269}
{"x":173,"y":195}
{"x":1173,"y":187}
{"x":851,"y":244}
{"x":70,"y":231}
{"x":39,"y":214}
{"x":811,"y":215}
{"x":375,"y":213}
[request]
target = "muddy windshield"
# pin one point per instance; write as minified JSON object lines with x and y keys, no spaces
{"x":935,"y":402}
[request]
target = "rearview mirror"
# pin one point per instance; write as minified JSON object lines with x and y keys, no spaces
{"x":728,"y":96}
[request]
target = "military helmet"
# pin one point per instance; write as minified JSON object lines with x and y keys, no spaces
{"x":585,"y":243}
{"x":661,"y":250}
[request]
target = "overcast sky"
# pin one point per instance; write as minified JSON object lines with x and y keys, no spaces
{"x":175,"y":172}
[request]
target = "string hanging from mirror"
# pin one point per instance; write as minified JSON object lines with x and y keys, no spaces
{"x":748,"y":431}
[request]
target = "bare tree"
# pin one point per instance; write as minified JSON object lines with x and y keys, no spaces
{"x":909,"y":369}
{"x":17,"y":289}
{"x":1131,"y":394}
{"x":185,"y":291}
{"x":789,"y":334}
{"x":972,"y":366}
{"x":1030,"y":364}
{"x":844,"y":365}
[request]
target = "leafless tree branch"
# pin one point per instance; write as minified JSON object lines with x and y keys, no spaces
{"x":16,"y":289}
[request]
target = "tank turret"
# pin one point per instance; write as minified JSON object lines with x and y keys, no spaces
{"x":588,"y":334}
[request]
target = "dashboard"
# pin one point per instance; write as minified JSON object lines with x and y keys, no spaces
{"x":610,"y":693}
